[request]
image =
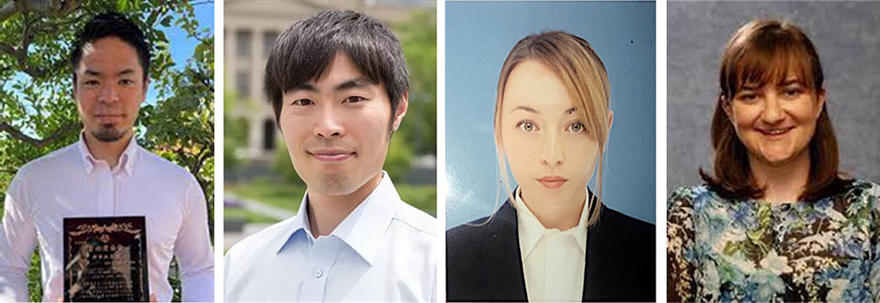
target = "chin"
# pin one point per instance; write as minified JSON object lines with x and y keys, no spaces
{"x":335,"y":184}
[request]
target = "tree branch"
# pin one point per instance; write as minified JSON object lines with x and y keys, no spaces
{"x":51,"y":138}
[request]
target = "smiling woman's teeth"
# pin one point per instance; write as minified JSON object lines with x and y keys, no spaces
{"x":776,"y":131}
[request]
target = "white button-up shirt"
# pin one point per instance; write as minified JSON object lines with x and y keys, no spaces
{"x":384,"y":250}
{"x":553,"y":259}
{"x":70,"y":182}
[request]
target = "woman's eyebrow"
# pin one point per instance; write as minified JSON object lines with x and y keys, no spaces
{"x":570,"y":110}
{"x":525,"y":108}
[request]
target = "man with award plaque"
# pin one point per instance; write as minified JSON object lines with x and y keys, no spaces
{"x":107,"y":215}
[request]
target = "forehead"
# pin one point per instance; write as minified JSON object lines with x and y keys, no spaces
{"x":340,"y":69}
{"x":774,"y":66}
{"x":533,"y":84}
{"x":108,"y":54}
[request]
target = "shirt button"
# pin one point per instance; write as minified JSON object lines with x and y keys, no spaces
{"x":318,"y":273}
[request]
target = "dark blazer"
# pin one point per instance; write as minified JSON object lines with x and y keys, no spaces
{"x":483,"y":261}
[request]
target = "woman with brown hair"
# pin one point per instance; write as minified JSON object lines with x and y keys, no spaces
{"x":775,"y":220}
{"x":553,"y":240}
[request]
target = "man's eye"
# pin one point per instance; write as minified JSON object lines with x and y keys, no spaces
{"x":126,"y":82}
{"x":301,"y":102}
{"x":354,"y":99}
{"x":91,"y":83}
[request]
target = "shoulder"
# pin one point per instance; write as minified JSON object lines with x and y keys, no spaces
{"x":45,"y":170}
{"x":684,"y":196}
{"x":259,"y":244}
{"x":625,"y":224}
{"x":862,"y":188}
{"x":49,"y":163}
{"x":863,"y":193}
{"x":168,"y":170}
{"x":468,"y":235}
{"x":415,"y":220}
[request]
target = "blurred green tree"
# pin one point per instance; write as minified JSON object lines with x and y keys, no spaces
{"x":38,"y":114}
{"x":418,"y":37}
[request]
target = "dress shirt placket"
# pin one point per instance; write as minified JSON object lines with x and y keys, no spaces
{"x":321,"y":258}
{"x":106,"y":189}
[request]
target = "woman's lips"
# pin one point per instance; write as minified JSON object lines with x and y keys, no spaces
{"x":775,"y":132}
{"x":552,"y":182}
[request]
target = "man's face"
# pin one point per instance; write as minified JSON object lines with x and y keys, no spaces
{"x":109,"y":88}
{"x":337,"y":128}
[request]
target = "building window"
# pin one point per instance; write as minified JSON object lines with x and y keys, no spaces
{"x":269,"y":41}
{"x":243,"y":43}
{"x":269,"y":135}
{"x":243,"y":84}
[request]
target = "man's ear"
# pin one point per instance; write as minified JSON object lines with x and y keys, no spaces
{"x":400,"y":112}
{"x":74,"y":87}
{"x":146,"y":87}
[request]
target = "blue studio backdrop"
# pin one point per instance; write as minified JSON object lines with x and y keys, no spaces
{"x":479,"y":35}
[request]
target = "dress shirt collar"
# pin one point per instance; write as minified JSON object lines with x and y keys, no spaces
{"x":126,"y":159}
{"x":531,"y":230}
{"x":362,"y":228}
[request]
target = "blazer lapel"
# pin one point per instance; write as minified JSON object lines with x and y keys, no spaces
{"x":591,"y":275}
{"x":501,"y":257}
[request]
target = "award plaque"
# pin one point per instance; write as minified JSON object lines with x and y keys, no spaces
{"x":105,"y":259}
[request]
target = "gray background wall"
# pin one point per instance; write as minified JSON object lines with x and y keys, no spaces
{"x":847,"y":36}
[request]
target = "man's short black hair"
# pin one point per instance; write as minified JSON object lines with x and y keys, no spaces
{"x":307,"y":47}
{"x":116,"y":25}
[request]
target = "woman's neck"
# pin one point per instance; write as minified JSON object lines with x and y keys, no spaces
{"x":783,"y":183}
{"x":562,"y":213}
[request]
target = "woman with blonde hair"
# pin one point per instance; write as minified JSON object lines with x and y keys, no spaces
{"x":553,"y":240}
{"x":775,"y":221}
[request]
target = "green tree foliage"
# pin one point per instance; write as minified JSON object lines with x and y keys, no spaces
{"x":418,"y":36}
{"x":37,"y":110}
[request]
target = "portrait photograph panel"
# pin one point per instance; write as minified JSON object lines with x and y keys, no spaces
{"x":772,"y":151}
{"x":550,"y":151}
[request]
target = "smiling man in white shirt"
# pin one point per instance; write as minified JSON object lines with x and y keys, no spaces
{"x":338,"y":85}
{"x":106,"y":173}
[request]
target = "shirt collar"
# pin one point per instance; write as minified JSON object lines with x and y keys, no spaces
{"x":126,"y":159}
{"x":531,"y":230}
{"x":363,"y":227}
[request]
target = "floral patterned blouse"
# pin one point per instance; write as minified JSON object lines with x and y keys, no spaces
{"x":747,"y":250}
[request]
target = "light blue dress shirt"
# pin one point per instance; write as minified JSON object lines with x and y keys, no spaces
{"x":385,"y":250}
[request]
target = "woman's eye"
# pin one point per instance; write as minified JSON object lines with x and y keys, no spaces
{"x":748,"y":97}
{"x":301,"y":102}
{"x":576,"y":127}
{"x":526,"y":126}
{"x":792,"y":92}
{"x":354,"y":99}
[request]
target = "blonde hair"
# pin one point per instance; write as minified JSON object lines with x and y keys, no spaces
{"x":586,"y":81}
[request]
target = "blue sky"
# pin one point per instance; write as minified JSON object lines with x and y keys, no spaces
{"x":181,"y":45}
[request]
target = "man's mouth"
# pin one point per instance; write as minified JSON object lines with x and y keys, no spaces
{"x":108,"y":118}
{"x":331,"y":155}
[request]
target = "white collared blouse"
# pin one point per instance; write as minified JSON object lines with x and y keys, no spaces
{"x":553,"y":260}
